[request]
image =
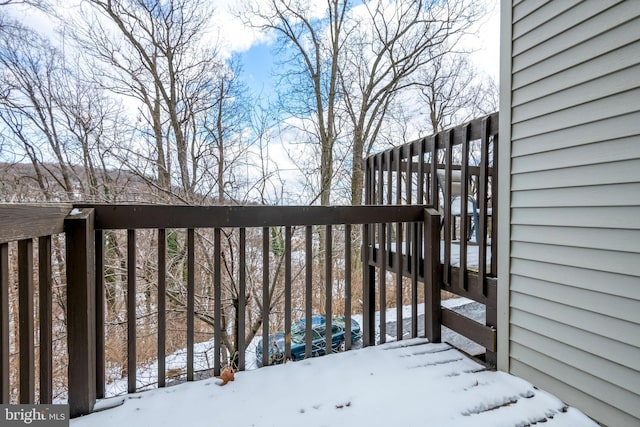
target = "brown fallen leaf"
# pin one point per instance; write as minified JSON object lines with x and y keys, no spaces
{"x":226,"y":375}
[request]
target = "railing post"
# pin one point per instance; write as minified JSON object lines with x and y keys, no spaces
{"x":491,"y":357}
{"x":433,"y":313}
{"x":81,"y":338}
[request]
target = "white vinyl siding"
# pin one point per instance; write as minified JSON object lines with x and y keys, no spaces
{"x":573,"y":246}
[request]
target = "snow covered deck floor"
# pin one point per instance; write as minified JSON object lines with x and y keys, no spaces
{"x":408,"y":383}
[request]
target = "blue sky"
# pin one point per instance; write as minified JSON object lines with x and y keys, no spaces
{"x":258,"y":69}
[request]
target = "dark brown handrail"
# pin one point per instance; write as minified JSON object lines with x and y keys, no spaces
{"x":122,"y":217}
{"x":28,"y":221}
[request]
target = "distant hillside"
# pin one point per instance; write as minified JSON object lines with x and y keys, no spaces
{"x":21,"y":182}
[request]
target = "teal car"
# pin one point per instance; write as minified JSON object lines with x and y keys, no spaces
{"x":318,"y":339}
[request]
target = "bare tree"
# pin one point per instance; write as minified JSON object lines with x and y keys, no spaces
{"x":348,"y":63}
{"x":391,"y":42}
{"x":159,"y":54}
{"x":455,"y":92}
{"x":311,"y":42}
{"x":40,"y":4}
{"x":30,"y":67}
{"x":223,"y":130}
{"x":61,"y":123}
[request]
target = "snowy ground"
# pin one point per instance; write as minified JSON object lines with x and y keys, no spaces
{"x":407,"y":383}
{"x":147,"y":374}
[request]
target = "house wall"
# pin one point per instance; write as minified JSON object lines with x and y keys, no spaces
{"x":569,"y":278}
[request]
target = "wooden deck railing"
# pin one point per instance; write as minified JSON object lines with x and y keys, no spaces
{"x":422,"y":171}
{"x":84,"y":228}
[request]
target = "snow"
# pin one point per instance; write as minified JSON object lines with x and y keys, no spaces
{"x":147,"y":374}
{"x":473,"y":254}
{"x":408,"y":383}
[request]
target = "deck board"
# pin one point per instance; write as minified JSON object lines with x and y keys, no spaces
{"x":410,"y":383}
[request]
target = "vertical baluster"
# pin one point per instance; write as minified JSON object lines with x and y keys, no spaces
{"x":435,"y":203}
{"x":162,"y":306}
{"x":308,"y":288}
{"x":382,"y":285}
{"x":389,"y":157}
{"x":347,"y":286}
{"x":4,"y":323}
{"x":464,"y":197}
{"x":131,"y":311}
{"x":409,"y":179}
{"x":100,"y":314}
{"x":242,"y":300}
{"x":368,"y":292}
{"x":398,"y":154}
{"x":367,"y":180}
{"x":25,"y":317}
{"x":397,"y":159}
{"x":447,"y":206}
{"x":432,"y":312}
{"x":328,"y":275}
{"x":369,"y":230}
{"x":398,"y":268}
{"x":191,"y":302}
{"x":494,"y":208}
{"x":481,"y":231}
{"x":409,"y":198}
{"x":46,"y":318}
{"x":399,"y":256}
{"x":287,"y":293}
{"x":266,"y":345}
{"x":217,"y":300}
{"x":382,"y":254}
{"x":417,"y":239}
{"x":435,"y":140}
{"x":414,"y":279}
{"x":380,"y":201}
{"x":421,"y":173}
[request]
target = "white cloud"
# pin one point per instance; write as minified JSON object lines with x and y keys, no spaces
{"x":234,"y":35}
